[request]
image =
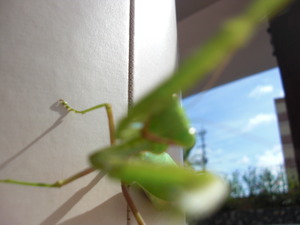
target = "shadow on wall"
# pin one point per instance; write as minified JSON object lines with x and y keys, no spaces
{"x":54,"y":107}
{"x":99,"y":215}
{"x":102,"y":214}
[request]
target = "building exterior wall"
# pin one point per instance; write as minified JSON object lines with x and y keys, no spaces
{"x":286,"y":139}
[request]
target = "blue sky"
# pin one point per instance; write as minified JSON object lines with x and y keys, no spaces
{"x":240,"y":121}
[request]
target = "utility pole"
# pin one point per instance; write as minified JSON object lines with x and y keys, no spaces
{"x":202,"y":145}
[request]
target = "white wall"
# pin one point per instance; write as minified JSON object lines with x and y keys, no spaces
{"x":155,"y":51}
{"x":76,"y":50}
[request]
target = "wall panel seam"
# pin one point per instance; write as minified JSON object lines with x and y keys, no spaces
{"x":131,"y":53}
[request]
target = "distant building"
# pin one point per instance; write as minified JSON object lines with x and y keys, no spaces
{"x":286,"y":139}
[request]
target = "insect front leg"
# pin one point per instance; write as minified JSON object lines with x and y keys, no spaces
{"x":82,"y":173}
{"x":109,"y":114}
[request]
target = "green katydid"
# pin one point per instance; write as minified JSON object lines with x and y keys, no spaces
{"x":158,"y":121}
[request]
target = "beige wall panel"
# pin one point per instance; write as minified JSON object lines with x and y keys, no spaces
{"x":76,"y":50}
{"x":155,"y":58}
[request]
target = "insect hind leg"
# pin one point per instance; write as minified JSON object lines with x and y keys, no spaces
{"x":57,"y":184}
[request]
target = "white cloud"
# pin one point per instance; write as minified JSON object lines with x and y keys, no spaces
{"x":258,"y":120}
{"x":270,"y":158}
{"x":244,"y":160}
{"x":260,"y":90}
